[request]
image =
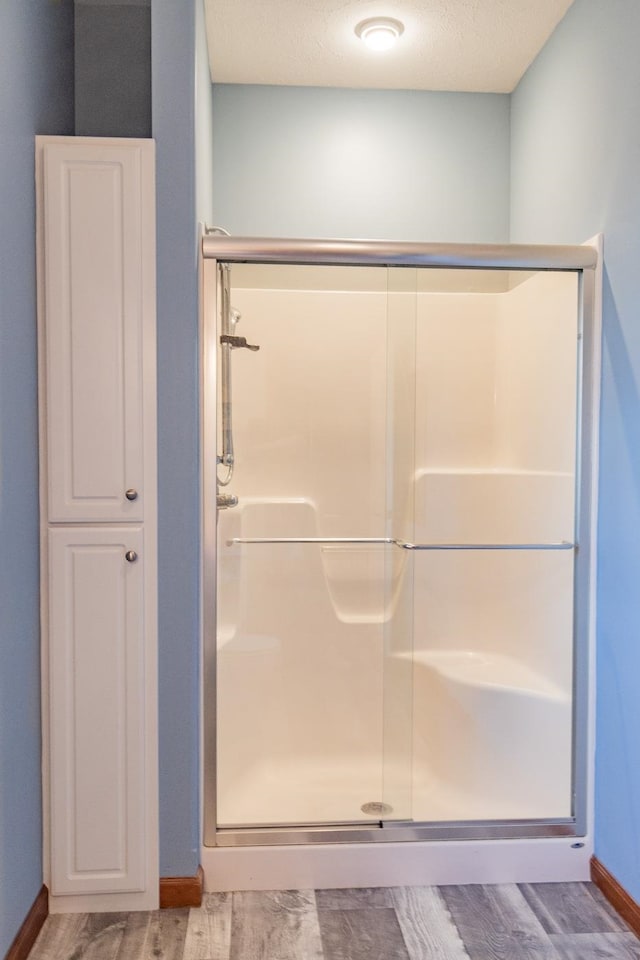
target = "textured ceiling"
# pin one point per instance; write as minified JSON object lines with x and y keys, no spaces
{"x":475,"y":45}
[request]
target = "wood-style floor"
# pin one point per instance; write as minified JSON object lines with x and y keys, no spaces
{"x":556,"y":921}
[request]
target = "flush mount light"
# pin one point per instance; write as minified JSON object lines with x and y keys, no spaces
{"x":379,"y":33}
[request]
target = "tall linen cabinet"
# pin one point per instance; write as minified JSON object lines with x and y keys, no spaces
{"x":98,"y":502}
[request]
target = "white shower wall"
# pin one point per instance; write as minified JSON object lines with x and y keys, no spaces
{"x":438,"y":682}
{"x":300,"y":680}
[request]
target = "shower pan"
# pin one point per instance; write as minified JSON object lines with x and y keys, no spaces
{"x":398,"y":553}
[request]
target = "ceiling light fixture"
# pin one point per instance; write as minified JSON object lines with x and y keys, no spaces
{"x":380,"y":33}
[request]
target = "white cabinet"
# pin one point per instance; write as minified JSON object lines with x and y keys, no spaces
{"x":96,"y":280}
{"x":96,"y":650}
{"x":96,"y":309}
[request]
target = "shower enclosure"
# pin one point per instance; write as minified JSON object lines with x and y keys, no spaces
{"x":398,"y":538}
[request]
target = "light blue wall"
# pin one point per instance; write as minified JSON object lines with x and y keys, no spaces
{"x":575,"y":172}
{"x":204,"y":123}
{"x":36,"y":96}
{"x":395,"y":164}
{"x":173,"y":109}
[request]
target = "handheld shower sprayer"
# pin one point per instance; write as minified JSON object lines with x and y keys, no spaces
{"x":228,"y":342}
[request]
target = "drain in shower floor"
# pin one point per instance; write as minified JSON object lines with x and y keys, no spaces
{"x":376,"y":808}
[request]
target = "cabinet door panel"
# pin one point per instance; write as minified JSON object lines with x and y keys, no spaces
{"x":98,"y":224}
{"x":97,"y":710}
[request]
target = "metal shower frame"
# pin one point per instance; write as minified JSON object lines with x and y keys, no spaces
{"x":585,"y":261}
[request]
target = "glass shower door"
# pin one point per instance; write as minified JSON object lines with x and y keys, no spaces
{"x":313,"y":632}
{"x":494,"y":532}
{"x":395,"y":636}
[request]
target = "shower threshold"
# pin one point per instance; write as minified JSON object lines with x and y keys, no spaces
{"x":394,"y":831}
{"x":334,"y":856}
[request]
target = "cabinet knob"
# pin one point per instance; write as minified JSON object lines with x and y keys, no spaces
{"x":131,"y":556}
{"x":131,"y":494}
